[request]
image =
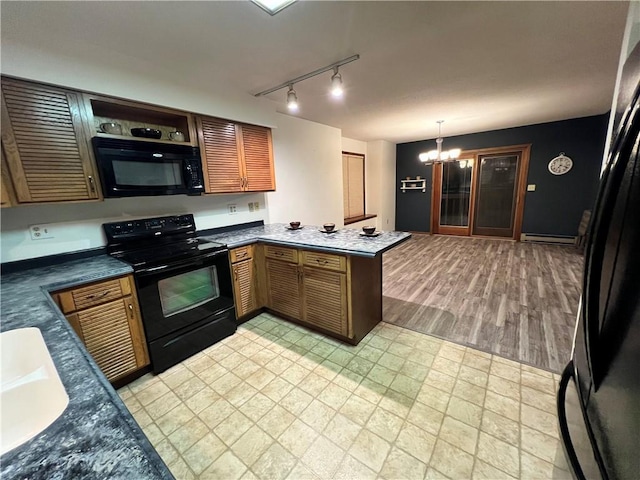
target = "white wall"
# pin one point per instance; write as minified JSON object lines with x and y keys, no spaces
{"x":308,"y":165}
{"x":354,"y":146}
{"x":380,"y":176}
{"x":629,"y":41}
{"x":78,"y":226}
{"x":88,"y":67}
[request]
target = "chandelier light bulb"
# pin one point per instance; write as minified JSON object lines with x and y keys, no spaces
{"x":439,"y":155}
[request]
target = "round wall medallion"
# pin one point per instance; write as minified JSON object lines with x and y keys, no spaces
{"x":560,"y":165}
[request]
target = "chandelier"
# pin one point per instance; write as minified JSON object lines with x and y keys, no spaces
{"x":439,"y":155}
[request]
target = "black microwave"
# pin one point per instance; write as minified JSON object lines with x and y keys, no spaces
{"x":133,"y":168}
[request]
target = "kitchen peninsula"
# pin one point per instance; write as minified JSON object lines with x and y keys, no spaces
{"x":96,"y":437}
{"x":327,"y":281}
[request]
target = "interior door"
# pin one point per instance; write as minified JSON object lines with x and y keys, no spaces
{"x":496,"y":194}
{"x":454,"y":184}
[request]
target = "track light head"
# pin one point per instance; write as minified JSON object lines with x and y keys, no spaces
{"x":336,"y":83}
{"x":292,"y":99}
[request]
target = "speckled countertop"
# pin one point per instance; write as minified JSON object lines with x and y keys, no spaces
{"x":96,"y":437}
{"x":345,"y":240}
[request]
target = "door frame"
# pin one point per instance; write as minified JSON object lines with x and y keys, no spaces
{"x":524,"y":150}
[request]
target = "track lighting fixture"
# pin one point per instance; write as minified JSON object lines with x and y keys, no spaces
{"x":336,"y":82}
{"x":439,"y":155}
{"x":292,"y":99}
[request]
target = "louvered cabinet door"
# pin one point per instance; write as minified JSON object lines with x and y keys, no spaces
{"x":218,"y":141}
{"x":8,"y":197}
{"x":244,"y":287}
{"x":283,"y":287}
{"x":112,"y":333}
{"x":45,"y":145}
{"x":258,"y":159}
{"x":325,"y":299}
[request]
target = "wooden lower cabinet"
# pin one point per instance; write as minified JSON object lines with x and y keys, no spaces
{"x":325,"y":300}
{"x":337,"y":294}
{"x":245,"y":280}
{"x":283,"y":287}
{"x":111,"y":329}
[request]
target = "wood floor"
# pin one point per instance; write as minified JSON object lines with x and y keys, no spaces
{"x":517,"y":300}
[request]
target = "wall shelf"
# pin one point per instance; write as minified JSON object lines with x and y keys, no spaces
{"x":413,"y":184}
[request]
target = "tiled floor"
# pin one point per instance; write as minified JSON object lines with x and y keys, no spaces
{"x":278,"y":401}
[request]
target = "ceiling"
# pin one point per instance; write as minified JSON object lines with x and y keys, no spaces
{"x":477,"y":65}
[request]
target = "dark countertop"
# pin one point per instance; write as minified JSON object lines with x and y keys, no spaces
{"x":96,"y":436}
{"x":347,"y":241}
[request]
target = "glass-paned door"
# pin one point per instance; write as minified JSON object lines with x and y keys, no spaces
{"x":496,"y":194}
{"x":456,"y":185}
{"x":456,"y":193}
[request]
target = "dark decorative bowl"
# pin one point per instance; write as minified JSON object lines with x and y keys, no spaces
{"x":368,"y":229}
{"x":294,"y":225}
{"x":328,"y":227}
{"x":146,"y":132}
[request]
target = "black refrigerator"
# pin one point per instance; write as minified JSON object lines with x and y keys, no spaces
{"x":599,"y":393}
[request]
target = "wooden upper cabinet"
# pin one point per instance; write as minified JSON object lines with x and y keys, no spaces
{"x":235,"y":157}
{"x":46,"y":147}
{"x":258,"y":159}
{"x":219,"y":148}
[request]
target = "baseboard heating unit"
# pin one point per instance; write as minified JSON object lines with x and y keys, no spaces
{"x":538,"y":238}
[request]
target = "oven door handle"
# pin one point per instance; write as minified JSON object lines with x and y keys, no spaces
{"x":179,"y":265}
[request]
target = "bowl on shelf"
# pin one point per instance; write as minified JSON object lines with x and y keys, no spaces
{"x":112,"y":128}
{"x":368,"y":229}
{"x":294,"y":225}
{"x":328,"y":227}
{"x":146,"y":132}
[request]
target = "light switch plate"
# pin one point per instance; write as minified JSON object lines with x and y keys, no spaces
{"x":531,"y":187}
{"x":256,"y":206}
{"x":251,"y":206}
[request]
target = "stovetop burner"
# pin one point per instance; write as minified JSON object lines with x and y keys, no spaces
{"x":151,"y":241}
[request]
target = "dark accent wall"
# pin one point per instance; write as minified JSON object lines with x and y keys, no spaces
{"x":555,"y":208}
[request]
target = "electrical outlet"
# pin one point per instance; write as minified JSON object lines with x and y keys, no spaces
{"x":233,"y":208}
{"x":39,"y":232}
{"x":251,"y":206}
{"x":256,"y":206}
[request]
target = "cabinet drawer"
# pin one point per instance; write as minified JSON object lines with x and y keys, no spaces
{"x":93,"y":294}
{"x":324,"y":260}
{"x":281,"y":253}
{"x":241,"y":253}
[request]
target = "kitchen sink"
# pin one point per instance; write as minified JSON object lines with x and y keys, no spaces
{"x":32,"y":395}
